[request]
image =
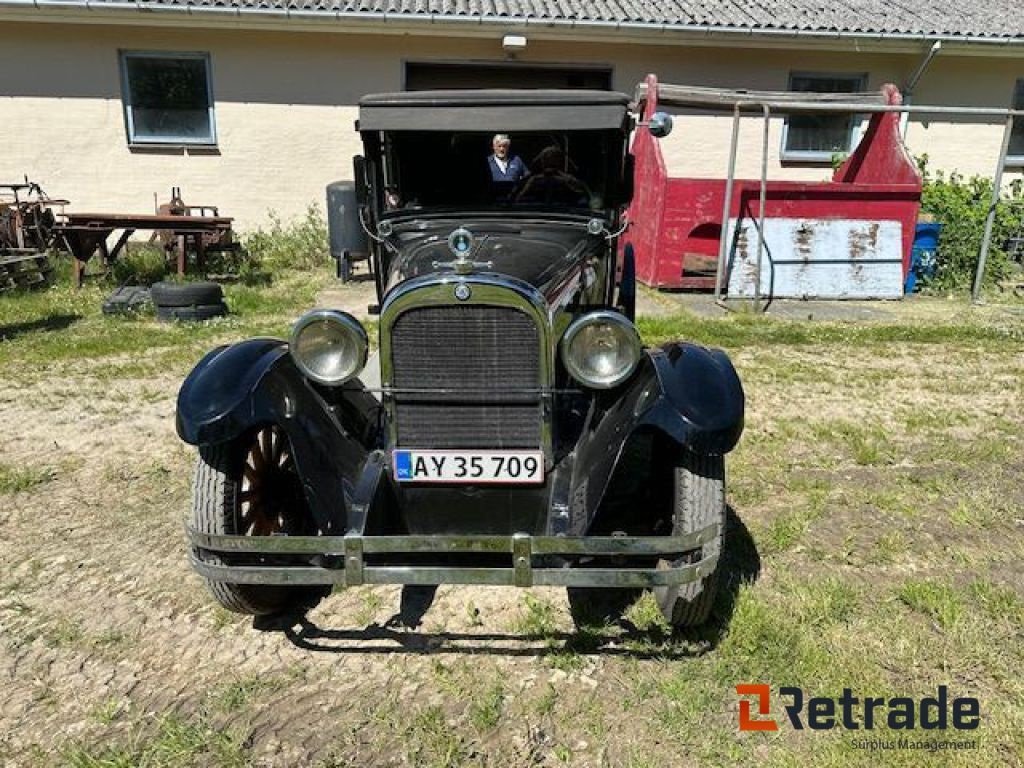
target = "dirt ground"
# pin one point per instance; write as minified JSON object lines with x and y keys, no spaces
{"x":877,"y":539}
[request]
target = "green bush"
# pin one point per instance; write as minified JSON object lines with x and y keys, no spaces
{"x":301,"y":244}
{"x":961,"y":204}
{"x":140,"y":264}
{"x":237,"y":265}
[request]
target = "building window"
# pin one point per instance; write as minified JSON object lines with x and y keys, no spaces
{"x":1015,"y":154}
{"x":167,"y":98}
{"x":817,"y":138}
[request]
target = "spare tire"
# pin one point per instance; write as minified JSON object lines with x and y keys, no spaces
{"x":191,"y":314}
{"x":205,"y":293}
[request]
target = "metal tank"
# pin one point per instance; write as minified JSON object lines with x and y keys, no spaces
{"x":348,"y":240}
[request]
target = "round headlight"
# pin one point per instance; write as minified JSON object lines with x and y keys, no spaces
{"x":329,"y":346}
{"x":601,"y":349}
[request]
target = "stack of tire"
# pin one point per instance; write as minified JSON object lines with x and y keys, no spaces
{"x":188,"y":301}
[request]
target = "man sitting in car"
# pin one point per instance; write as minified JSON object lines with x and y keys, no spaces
{"x":507,"y":170}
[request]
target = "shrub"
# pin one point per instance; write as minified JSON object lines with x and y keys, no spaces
{"x":140,"y":264}
{"x":235,"y":265}
{"x":961,"y":204}
{"x":301,"y":244}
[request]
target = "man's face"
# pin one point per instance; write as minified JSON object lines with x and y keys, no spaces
{"x":501,"y":148}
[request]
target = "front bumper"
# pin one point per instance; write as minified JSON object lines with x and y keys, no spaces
{"x":342,"y":560}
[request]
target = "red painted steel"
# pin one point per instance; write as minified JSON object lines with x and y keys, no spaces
{"x":676,"y":223}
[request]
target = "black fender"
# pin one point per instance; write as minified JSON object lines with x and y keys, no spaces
{"x":700,"y":403}
{"x":687,"y":392}
{"x":236,"y":389}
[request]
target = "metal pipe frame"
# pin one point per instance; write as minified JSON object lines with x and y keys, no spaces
{"x":345,"y":564}
{"x":990,"y":218}
{"x":908,"y":87}
{"x":725,"y":99}
{"x":762,"y":205}
{"x":712,"y":98}
{"x":723,"y":244}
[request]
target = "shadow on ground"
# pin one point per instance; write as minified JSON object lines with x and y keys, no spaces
{"x":48,"y":323}
{"x":741,"y":565}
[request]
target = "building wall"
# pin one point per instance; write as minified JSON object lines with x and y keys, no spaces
{"x":285,"y":108}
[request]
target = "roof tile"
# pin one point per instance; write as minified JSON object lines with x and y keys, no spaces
{"x":968,"y":18}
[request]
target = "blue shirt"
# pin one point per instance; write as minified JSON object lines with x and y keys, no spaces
{"x":514,"y":171}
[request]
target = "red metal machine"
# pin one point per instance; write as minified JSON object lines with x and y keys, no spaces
{"x":28,"y":232}
{"x":181,"y":229}
{"x":850,"y":237}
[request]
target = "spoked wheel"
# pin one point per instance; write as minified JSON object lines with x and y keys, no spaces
{"x":270,"y":500}
{"x":251,"y":488}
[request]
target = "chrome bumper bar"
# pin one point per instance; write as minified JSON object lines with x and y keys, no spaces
{"x":343,"y":560}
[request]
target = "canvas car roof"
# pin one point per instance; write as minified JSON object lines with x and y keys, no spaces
{"x":501,"y":110}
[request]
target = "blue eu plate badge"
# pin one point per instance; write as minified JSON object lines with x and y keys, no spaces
{"x":403,"y":465}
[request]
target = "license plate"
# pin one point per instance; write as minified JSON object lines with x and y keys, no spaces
{"x":424,"y":466}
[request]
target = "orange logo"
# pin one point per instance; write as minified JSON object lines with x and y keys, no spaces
{"x":763,"y":692}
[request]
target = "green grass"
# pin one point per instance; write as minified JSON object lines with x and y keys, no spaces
{"x":537,"y":617}
{"x":23,"y":478}
{"x":63,"y":326}
{"x":876,"y":490}
{"x":177,"y":743}
{"x":434,"y":743}
{"x":647,"y":617}
{"x":485,"y":711}
{"x":239,"y":694}
{"x":889,"y":547}
{"x":937,"y":601}
{"x":109,"y":711}
{"x":741,"y":331}
{"x":370,"y":604}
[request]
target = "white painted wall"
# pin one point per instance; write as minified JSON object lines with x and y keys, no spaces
{"x":285,"y":106}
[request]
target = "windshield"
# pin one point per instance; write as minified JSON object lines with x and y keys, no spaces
{"x":560,"y":170}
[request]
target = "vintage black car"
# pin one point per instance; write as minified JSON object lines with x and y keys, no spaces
{"x":519,"y":434}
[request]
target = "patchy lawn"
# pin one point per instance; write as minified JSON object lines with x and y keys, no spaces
{"x":876,"y":543}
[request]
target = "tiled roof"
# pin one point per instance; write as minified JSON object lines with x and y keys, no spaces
{"x":992,"y":19}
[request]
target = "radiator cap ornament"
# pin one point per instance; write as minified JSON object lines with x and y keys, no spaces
{"x":462,"y":292}
{"x":460,"y":242}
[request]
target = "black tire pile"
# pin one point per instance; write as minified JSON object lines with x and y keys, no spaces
{"x":187,"y":301}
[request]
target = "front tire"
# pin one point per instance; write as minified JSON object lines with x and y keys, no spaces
{"x":698,"y":501}
{"x":251,"y":488}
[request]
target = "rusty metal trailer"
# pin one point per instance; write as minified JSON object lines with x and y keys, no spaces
{"x":87,"y":233}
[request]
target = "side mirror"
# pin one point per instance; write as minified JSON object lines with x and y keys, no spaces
{"x":660,"y":125}
{"x":359,"y":175}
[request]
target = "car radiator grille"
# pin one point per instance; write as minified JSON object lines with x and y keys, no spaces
{"x":466,"y":377}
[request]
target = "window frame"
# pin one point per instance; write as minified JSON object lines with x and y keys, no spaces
{"x":1016,"y":102}
{"x":856,"y":130}
{"x":166,"y":141}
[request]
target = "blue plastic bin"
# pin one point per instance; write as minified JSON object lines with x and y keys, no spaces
{"x":922,"y":254}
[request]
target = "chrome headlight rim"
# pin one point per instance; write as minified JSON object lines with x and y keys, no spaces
{"x":349,"y":325}
{"x":592,"y":318}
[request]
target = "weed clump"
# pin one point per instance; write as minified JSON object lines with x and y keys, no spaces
{"x":141,"y":264}
{"x":301,"y":244}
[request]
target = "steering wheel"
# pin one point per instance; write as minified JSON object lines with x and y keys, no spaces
{"x":517,"y":189}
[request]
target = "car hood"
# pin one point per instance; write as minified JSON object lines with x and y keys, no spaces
{"x":543,"y":254}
